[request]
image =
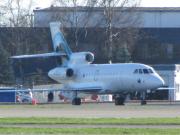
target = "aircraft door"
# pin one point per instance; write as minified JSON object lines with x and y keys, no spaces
{"x":96,"y":75}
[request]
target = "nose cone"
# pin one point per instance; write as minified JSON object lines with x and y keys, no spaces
{"x":159,"y":82}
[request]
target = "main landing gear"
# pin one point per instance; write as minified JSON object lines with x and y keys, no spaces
{"x":76,"y":100}
{"x":119,"y":100}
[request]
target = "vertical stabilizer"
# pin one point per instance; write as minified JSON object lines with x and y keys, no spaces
{"x":59,"y":42}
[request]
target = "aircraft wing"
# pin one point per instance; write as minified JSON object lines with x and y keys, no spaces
{"x":85,"y":89}
{"x":79,"y":87}
{"x":166,"y":88}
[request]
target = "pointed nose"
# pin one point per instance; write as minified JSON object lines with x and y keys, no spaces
{"x":159,"y":81}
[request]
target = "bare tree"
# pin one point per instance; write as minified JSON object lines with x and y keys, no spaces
{"x":113,"y":17}
{"x":117,"y":17}
{"x":18,"y":13}
{"x":73,"y":17}
{"x":2,"y":14}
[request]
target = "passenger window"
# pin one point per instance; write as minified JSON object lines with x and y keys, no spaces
{"x":145,"y":71}
{"x":136,"y":71}
{"x":140,"y":71}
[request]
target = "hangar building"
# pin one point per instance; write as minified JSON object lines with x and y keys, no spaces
{"x":171,"y":76}
{"x":159,"y":28}
{"x":147,"y":17}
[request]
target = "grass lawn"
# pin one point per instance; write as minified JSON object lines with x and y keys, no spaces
{"x":128,"y":121}
{"x":88,"y":131}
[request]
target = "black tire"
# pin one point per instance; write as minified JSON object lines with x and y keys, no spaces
{"x":76,"y":101}
{"x":119,"y":101}
{"x":143,"y":102}
{"x":25,"y":101}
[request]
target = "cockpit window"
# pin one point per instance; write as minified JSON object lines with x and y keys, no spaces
{"x":136,"y":71}
{"x":140,"y":71}
{"x":145,"y":71}
{"x":150,"y":71}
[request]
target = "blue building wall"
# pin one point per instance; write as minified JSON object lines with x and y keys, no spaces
{"x":7,"y":97}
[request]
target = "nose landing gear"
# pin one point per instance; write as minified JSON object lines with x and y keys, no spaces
{"x":143,"y":98}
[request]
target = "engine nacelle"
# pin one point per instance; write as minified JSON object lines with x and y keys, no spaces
{"x":61,"y":73}
{"x":69,"y":72}
{"x":82,"y":58}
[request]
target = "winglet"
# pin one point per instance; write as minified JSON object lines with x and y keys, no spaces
{"x":59,"y":42}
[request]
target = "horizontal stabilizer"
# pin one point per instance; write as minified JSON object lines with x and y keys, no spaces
{"x":27,"y":90}
{"x":28,"y":65}
{"x":38,"y":55}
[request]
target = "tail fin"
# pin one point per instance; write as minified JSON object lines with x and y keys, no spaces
{"x":59,"y":42}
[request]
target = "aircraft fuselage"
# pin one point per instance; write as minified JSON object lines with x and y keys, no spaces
{"x":112,"y":78}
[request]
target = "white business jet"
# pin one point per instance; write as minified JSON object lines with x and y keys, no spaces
{"x":78,"y":75}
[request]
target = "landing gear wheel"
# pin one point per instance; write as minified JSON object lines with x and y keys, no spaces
{"x":143,"y":102}
{"x":76,"y":101}
{"x":143,"y":98}
{"x":119,"y":100}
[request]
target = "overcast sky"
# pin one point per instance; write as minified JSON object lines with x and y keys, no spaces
{"x":160,"y":3}
{"x":144,"y":3}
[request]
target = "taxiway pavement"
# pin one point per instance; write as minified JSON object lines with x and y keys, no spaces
{"x":92,"y":110}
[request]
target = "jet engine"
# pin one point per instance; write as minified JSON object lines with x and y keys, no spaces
{"x":61,"y":73}
{"x":89,"y":57}
{"x":81,"y":58}
{"x":69,"y":72}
